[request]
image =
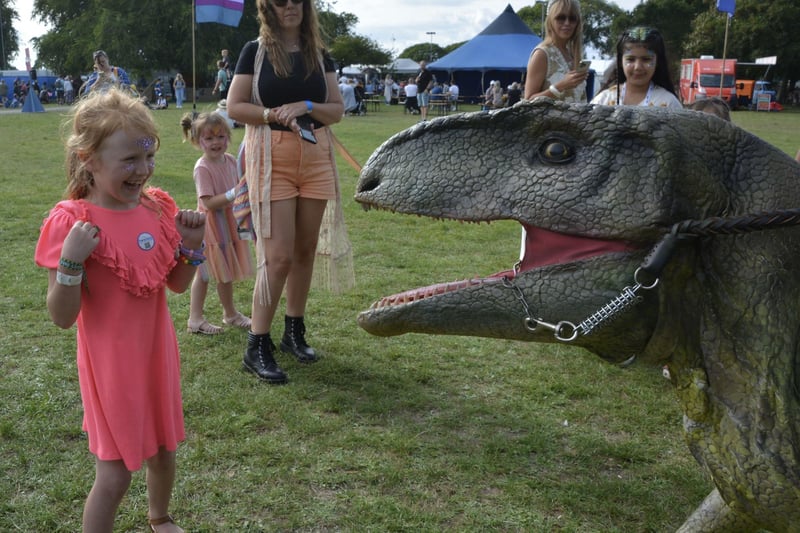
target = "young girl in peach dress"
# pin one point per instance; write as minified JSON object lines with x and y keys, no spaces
{"x":112,"y":248}
{"x":229,"y":256}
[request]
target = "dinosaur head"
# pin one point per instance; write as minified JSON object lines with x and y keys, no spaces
{"x":594,"y":187}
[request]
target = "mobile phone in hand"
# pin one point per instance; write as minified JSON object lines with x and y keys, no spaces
{"x":307,"y":135}
{"x":584,"y":65}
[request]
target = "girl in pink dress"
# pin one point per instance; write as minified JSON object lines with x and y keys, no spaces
{"x":229,"y":256}
{"x":111,"y":248}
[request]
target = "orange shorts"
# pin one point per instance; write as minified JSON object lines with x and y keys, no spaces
{"x":301,"y":168}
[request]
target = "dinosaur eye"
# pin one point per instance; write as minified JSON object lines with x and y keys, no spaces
{"x":556,"y":151}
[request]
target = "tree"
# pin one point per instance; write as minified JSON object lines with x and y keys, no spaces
{"x":152,"y":35}
{"x":142,"y":37}
{"x":598,"y":19}
{"x":9,"y":36}
{"x":335,"y":25}
{"x":423,"y":51}
{"x":532,"y":17}
{"x":356,"y":49}
{"x":450,"y":47}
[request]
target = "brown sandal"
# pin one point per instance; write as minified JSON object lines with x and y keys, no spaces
{"x":158,"y":521}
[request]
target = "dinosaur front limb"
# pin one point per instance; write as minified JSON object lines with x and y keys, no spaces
{"x":715,"y":516}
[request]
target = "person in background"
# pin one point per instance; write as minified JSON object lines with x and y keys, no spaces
{"x":453,"y":95}
{"x":514,"y":94}
{"x":105,"y":76}
{"x":424,"y":81}
{"x":388,"y":83}
{"x":69,"y":90}
{"x":228,"y":256}
{"x":411,"y":106}
{"x":642,"y":72}
{"x":713,"y":106}
{"x":222,"y":81}
{"x":348,"y":96}
{"x":553,"y":64}
{"x":222,"y":109}
{"x":226,"y":63}
{"x":59,"y":90}
{"x":112,"y":248}
{"x":179,"y":88}
{"x":284,"y":89}
{"x":495,"y":95}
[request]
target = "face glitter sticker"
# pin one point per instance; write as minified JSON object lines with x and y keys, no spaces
{"x":129,"y":167}
{"x":151,"y":165}
{"x":146,"y":143}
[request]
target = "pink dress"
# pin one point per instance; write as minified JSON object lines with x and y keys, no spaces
{"x":228,"y":256}
{"x":128,"y":359}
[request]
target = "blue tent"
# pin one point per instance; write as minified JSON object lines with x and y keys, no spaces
{"x":499,"y":52}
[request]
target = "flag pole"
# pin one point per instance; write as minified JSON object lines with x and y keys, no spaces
{"x":724,"y":52}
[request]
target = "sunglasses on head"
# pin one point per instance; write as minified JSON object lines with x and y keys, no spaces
{"x":97,"y":54}
{"x":639,"y":33}
{"x":563,"y":18}
{"x":282,"y":3}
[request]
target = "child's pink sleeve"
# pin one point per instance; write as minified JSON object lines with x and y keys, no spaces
{"x":51,"y":237}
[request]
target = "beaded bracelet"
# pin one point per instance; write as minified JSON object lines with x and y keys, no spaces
{"x":70,"y":264}
{"x":192,"y":257}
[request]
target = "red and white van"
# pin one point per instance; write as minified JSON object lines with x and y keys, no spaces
{"x":700,"y":78}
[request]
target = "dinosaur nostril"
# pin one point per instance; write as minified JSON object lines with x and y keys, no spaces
{"x":368,"y":182}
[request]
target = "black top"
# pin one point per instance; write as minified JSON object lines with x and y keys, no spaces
{"x":424,"y":79}
{"x":275,"y":91}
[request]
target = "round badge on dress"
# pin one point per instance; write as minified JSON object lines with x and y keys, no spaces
{"x":146,"y":241}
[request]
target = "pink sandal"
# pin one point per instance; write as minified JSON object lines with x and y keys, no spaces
{"x":204,"y":327}
{"x":239,"y":321}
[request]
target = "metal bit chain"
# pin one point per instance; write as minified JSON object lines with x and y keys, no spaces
{"x":567,"y":331}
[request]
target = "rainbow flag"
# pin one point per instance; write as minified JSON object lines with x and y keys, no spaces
{"x":228,"y":12}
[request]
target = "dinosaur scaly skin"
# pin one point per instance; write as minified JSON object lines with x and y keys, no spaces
{"x":604,"y":185}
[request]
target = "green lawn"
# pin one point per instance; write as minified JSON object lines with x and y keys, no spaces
{"x":410,"y":433}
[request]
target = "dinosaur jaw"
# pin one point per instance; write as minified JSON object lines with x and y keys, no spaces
{"x":542,"y":248}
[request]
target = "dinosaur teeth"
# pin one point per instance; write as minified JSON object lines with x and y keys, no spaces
{"x":422,"y":293}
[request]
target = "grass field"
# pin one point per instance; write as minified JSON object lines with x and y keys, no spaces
{"x":410,"y":433}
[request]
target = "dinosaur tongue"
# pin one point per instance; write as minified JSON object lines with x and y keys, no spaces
{"x":545,"y":247}
{"x":542,"y":247}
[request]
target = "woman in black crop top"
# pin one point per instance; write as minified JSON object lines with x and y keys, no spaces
{"x":284,"y":82}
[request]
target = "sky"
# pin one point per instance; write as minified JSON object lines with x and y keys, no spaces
{"x":394,"y":25}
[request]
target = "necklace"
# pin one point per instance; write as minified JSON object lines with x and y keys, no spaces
{"x":647,"y":96}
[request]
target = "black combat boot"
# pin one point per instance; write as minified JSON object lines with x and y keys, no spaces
{"x":260,"y":359}
{"x":294,"y":340}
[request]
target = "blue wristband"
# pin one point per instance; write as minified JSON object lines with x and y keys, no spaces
{"x":309,"y":106}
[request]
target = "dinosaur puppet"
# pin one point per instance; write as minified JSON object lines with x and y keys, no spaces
{"x":596,"y":188}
